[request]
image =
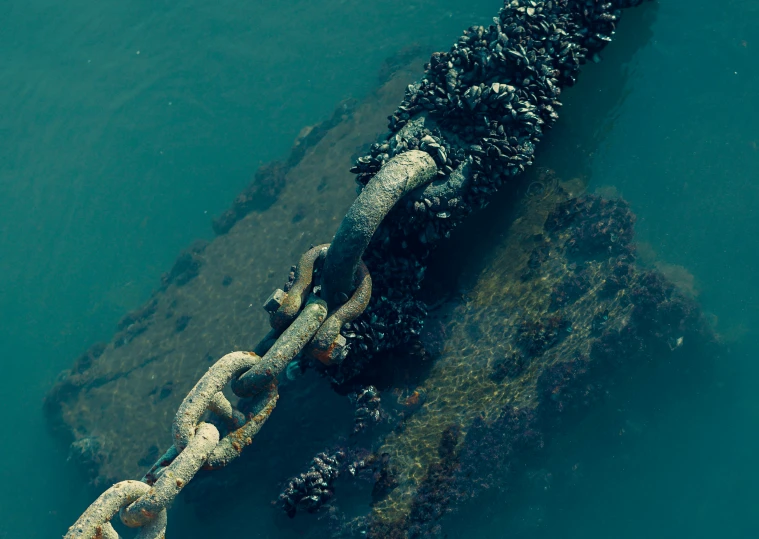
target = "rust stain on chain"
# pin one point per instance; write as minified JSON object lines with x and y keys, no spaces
{"x":325,"y":356}
{"x":328,"y":345}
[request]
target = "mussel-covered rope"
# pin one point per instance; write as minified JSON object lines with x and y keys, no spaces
{"x":460,"y":133}
{"x":479,"y":111}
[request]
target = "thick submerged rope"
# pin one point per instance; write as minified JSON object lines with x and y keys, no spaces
{"x":479,"y":111}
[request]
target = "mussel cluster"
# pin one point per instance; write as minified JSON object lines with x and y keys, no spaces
{"x":368,"y":410}
{"x":313,"y":488}
{"x":479,"y":111}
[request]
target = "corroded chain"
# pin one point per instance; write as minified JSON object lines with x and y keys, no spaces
{"x":302,"y":323}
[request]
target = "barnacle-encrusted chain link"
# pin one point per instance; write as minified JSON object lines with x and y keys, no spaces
{"x":460,"y":133}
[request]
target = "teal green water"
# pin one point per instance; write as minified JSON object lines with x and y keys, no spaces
{"x":125,"y":127}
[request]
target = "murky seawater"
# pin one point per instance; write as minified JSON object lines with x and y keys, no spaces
{"x":125,"y":127}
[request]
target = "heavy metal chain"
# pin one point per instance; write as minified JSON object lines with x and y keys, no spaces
{"x":304,"y":320}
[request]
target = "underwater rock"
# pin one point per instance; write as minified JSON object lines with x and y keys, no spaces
{"x":492,"y":448}
{"x":570,"y":290}
{"x":135,"y":323}
{"x":88,"y":453}
{"x":138,"y":316}
{"x":514,"y":385}
{"x":270,"y":178}
{"x":187,"y":266}
{"x":438,"y":489}
{"x":598,"y":226}
{"x":534,"y":337}
{"x":86,"y":360}
{"x":433,"y":498}
{"x":508,"y":367}
{"x":220,"y":286}
{"x":384,"y":479}
{"x":260,"y":194}
{"x":181,"y":323}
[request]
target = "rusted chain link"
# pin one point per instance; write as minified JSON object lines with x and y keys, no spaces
{"x":230,"y":447}
{"x":145,"y":509}
{"x":207,"y":390}
{"x":284,"y":306}
{"x":328,"y":346}
{"x":95,"y":521}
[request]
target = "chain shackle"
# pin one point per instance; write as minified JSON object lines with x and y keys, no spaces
{"x":400,"y":175}
{"x":283,"y":307}
{"x":328,"y":346}
{"x":283,"y":351}
{"x":95,"y":521}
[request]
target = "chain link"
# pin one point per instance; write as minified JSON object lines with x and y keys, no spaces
{"x":284,"y":349}
{"x":174,"y":478}
{"x":143,"y":504}
{"x":95,"y":521}
{"x":207,"y":390}
{"x":328,"y":346}
{"x":284,"y":306}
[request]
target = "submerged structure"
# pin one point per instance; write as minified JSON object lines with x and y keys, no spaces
{"x":562,"y":321}
{"x":563,"y":324}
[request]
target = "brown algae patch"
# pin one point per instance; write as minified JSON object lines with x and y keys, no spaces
{"x":519,"y":307}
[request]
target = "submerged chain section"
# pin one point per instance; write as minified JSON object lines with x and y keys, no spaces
{"x":298,"y":325}
{"x":463,"y":131}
